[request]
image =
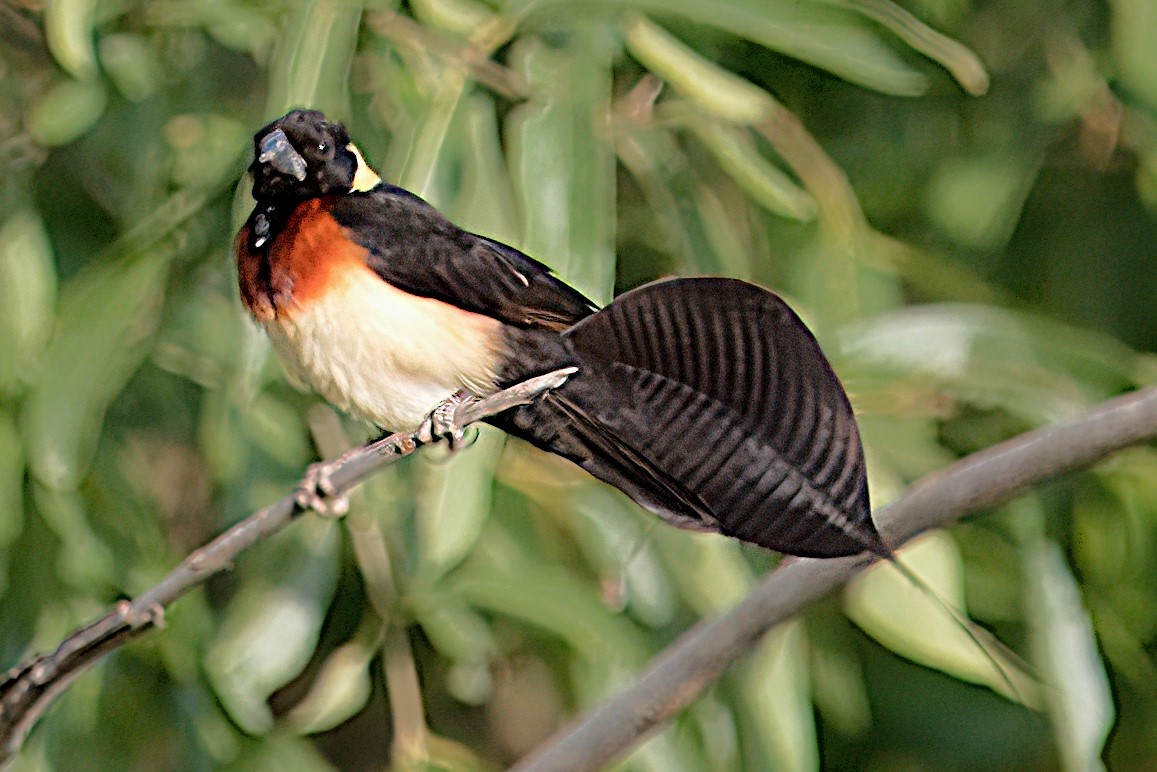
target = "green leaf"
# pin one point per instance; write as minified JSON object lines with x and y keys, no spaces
{"x":461,"y":17}
{"x":67,"y":110}
{"x":1034,"y":367}
{"x":471,"y":683}
{"x":829,"y":38}
{"x":131,"y":64}
{"x":225,"y":449}
{"x":553,"y":600}
{"x":276,"y":428}
{"x":207,"y":149}
{"x":964,"y":65}
{"x":837,"y":276}
{"x":68,"y":30}
{"x":271,"y":626}
{"x":899,"y":448}
{"x":85,"y":562}
{"x":709,"y":571}
{"x":776,"y":695}
{"x":454,"y":502}
{"x":108,"y":316}
{"x":426,"y":152}
{"x":342,"y":686}
{"x":901,"y":616}
{"x":1079,"y":700}
{"x":27,"y":299}
{"x":671,"y":749}
{"x":977,"y":201}
{"x":280,"y":751}
{"x":1134,"y":27}
{"x":718,"y":734}
{"x":311,"y":63}
{"x":617,"y":540}
{"x":736,"y":153}
{"x":455,"y":629}
{"x":242,"y":28}
{"x":713,"y":88}
{"x":11,"y":484}
{"x":670,"y":185}
{"x":485,"y":201}
{"x":561,"y":158}
{"x":839,"y":690}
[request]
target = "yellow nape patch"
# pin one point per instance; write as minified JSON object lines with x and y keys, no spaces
{"x":365,"y":178}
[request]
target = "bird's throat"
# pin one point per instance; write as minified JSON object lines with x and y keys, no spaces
{"x":268,"y":220}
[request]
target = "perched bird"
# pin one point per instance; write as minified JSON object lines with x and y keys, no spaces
{"x":707,"y":401}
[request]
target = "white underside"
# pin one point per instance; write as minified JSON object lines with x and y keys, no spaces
{"x":386,"y":356}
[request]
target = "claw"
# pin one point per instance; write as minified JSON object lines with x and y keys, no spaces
{"x":317,"y":492}
{"x":442,"y":422}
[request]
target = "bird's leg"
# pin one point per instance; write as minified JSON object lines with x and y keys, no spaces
{"x":317,"y":491}
{"x":442,"y":422}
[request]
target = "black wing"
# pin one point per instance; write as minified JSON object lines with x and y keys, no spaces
{"x":415,"y":248}
{"x":709,"y":402}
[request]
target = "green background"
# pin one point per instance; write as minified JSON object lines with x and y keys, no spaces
{"x":975,"y":246}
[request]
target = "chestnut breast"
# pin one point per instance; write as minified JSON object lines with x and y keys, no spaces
{"x":373,"y":350}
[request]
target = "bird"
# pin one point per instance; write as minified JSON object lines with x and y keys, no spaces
{"x":705,"y":400}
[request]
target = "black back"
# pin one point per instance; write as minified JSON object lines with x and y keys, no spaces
{"x":415,"y":248}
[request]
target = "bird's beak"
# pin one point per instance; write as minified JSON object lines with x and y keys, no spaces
{"x":278,"y":153}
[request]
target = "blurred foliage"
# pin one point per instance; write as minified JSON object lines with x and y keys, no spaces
{"x":975,"y":245}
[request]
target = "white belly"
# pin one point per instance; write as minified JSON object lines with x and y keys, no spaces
{"x":383,"y":355}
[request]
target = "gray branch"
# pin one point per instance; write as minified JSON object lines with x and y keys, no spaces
{"x":677,"y":677}
{"x":31,"y":687}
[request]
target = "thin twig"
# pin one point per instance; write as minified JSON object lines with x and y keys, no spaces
{"x":679,"y":674}
{"x":404,"y":691}
{"x":20,"y":31}
{"x":30,"y":688}
{"x":677,"y":677}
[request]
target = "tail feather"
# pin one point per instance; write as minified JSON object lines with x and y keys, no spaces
{"x":709,"y":403}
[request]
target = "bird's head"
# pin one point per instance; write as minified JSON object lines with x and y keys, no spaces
{"x":303,"y":155}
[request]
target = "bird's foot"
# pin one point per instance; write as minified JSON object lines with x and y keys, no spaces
{"x":442,"y":422}
{"x":318,"y":493}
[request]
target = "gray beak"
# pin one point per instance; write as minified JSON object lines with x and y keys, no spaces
{"x":278,"y":153}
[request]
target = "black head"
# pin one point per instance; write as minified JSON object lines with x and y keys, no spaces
{"x":302,"y":155}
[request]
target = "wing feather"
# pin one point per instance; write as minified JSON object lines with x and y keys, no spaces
{"x":415,"y":248}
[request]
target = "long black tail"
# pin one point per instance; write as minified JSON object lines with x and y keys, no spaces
{"x":708,"y":402}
